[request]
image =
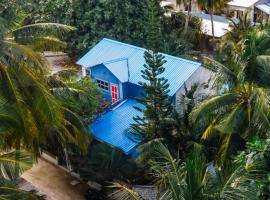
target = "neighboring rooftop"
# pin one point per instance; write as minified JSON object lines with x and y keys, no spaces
{"x":166,"y":3}
{"x":221,"y":24}
{"x":146,"y":192}
{"x":243,"y":3}
{"x":112,"y":127}
{"x":265,"y":7}
{"x":126,"y":62}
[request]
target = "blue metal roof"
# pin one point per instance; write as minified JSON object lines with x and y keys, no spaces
{"x":177,"y":70}
{"x":112,"y":127}
{"x":119,"y":68}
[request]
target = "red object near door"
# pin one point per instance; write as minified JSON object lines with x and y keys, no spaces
{"x":114,"y":93}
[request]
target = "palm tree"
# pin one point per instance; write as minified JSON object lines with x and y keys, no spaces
{"x":211,"y":6}
{"x":28,"y":110}
{"x":246,"y":45}
{"x":189,"y":4}
{"x":232,"y":115}
{"x":240,"y":28}
{"x":255,"y":43}
{"x":241,"y":108}
{"x":231,"y":44}
{"x":196,"y":179}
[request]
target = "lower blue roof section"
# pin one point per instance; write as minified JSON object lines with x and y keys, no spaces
{"x":112,"y":127}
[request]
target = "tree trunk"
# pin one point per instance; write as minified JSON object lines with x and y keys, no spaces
{"x":188,"y":16}
{"x":213,"y":30}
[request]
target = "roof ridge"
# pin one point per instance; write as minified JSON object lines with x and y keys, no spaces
{"x":166,"y":55}
{"x":182,"y":59}
{"x":115,"y":60}
{"x":130,"y":45}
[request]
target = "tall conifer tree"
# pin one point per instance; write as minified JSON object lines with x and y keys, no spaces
{"x":157,"y":102}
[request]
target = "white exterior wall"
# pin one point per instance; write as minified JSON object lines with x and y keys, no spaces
{"x":201,"y":76}
{"x":250,"y":10}
{"x":83,"y":72}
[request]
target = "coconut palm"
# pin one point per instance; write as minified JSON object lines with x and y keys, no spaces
{"x":189,"y":4}
{"x":239,"y":28}
{"x":195,"y":178}
{"x":211,"y":6}
{"x":21,"y":43}
{"x":241,"y":109}
{"x":255,"y":44}
{"x":231,"y":44}
{"x":28,"y":109}
{"x":232,"y":115}
{"x":247,"y":46}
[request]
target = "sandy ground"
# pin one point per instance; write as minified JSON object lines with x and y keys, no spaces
{"x":54,"y":182}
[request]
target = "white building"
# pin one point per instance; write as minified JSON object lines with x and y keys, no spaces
{"x":258,"y":10}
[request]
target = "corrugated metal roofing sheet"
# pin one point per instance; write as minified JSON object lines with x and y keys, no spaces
{"x":119,"y":68}
{"x":221,"y":23}
{"x":177,"y":70}
{"x":243,"y":3}
{"x":112,"y":127}
{"x":265,"y":7}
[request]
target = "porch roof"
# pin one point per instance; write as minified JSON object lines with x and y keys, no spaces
{"x":112,"y":127}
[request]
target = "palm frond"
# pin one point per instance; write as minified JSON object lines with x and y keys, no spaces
{"x":207,"y":107}
{"x":121,"y":192}
{"x":66,"y":74}
{"x":264,"y":70}
{"x":209,"y":132}
{"x":48,"y":43}
{"x":17,"y":53}
{"x":40,"y":29}
{"x":219,"y":69}
{"x":8,"y":191}
{"x":146,"y":150}
{"x":13,"y":162}
{"x":233,"y":122}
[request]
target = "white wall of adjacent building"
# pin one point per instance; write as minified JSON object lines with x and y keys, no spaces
{"x":204,"y":78}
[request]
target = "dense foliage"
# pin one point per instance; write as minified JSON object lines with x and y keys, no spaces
{"x":80,"y":96}
{"x":122,"y":20}
{"x":119,"y":19}
{"x":29,"y":110}
{"x":215,"y":148}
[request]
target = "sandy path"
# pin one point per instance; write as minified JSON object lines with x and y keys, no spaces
{"x":54,"y":182}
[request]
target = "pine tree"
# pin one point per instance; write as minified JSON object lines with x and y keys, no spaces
{"x":157,"y":103}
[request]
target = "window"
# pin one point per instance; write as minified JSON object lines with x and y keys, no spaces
{"x":103,"y":85}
